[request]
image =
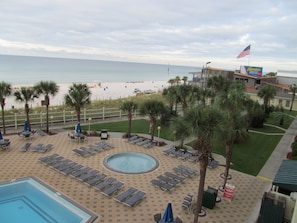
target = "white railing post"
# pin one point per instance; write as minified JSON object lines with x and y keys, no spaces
{"x":64,"y":117}
{"x":16,"y":121}
{"x":103,"y":115}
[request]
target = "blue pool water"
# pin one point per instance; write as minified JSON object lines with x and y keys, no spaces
{"x":131,"y":162}
{"x":27,"y":200}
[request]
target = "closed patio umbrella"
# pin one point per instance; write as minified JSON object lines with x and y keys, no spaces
{"x":26,"y":126}
{"x":1,"y":137}
{"x":78,"y":128}
{"x":168,"y":214}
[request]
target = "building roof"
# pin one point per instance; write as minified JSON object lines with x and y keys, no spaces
{"x":286,"y":176}
{"x":287,"y":73}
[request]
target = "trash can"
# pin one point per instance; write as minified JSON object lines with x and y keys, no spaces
{"x":104,"y":134}
{"x":209,"y":198}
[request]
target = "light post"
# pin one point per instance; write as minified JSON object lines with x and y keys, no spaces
{"x":159,"y":129}
{"x":205,"y":74}
{"x":90,"y":119}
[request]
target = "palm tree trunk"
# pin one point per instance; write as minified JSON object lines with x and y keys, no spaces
{"x":293,"y":98}
{"x":27,"y":109}
{"x":78,"y":114}
{"x":47,"y":119}
{"x":203,"y":166}
{"x":129,"y":124}
{"x":153,"y":124}
{"x":3,"y":119}
{"x":229,"y":150}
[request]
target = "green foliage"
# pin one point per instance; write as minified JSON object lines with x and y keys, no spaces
{"x":258,"y":120}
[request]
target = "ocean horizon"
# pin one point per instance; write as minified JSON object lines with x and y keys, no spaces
{"x":28,"y":70}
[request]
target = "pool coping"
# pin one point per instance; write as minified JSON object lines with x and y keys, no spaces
{"x":105,"y":164}
{"x":93,"y":217}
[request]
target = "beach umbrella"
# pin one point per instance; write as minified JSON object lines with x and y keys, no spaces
{"x":1,"y":137}
{"x":168,"y":214}
{"x":78,"y":128}
{"x":26,"y":126}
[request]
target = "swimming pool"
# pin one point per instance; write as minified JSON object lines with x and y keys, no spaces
{"x":30,"y":200}
{"x":131,"y":162}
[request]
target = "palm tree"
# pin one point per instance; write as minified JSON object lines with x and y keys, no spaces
{"x":204,"y":121}
{"x":184,"y":93}
{"x":293,"y":88}
{"x":26,"y":94}
{"x":46,"y":88}
{"x":218,"y":83}
{"x":180,"y":130}
{"x":78,"y":96}
{"x":267,"y":93}
{"x":129,"y":107}
{"x":232,"y":103}
{"x":5,"y":90}
{"x":185,"y":79}
{"x":153,"y":109}
{"x":177,"y":80}
{"x":171,"y":95}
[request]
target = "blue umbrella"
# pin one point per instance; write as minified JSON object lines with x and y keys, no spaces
{"x":78,"y":128}
{"x":168,"y":214}
{"x":26,"y":126}
{"x":1,"y":137}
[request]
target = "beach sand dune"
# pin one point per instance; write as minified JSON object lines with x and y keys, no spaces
{"x":100,"y":91}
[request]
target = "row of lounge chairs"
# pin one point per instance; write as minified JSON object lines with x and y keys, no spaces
{"x":130,"y":197}
{"x":168,"y":181}
{"x":181,"y":154}
{"x":37,"y":148}
{"x":93,"y":149}
{"x":108,"y":186}
{"x":185,"y":171}
{"x":141,"y":141}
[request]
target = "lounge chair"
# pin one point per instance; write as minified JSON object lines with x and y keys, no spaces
{"x":109,"y":191}
{"x":212,"y":164}
{"x":43,"y":159}
{"x":189,"y":169}
{"x":139,"y":139}
{"x":149,"y":144}
{"x":126,"y":194}
{"x":5,"y":144}
{"x":72,"y":169}
{"x":81,"y":152}
{"x":53,"y":160}
{"x":41,"y":133}
{"x":89,"y":150}
{"x":88,"y":175}
{"x":26,"y":147}
{"x":66,"y":166}
{"x":175,"y":177}
{"x":37,"y":147}
{"x":105,"y":183}
{"x":46,"y":148}
{"x":141,"y":143}
{"x":185,"y":156}
{"x":132,"y":138}
{"x":182,"y":172}
{"x":161,"y":185}
{"x":60,"y":163}
{"x":135,"y":199}
{"x":169,"y":151}
{"x":80,"y":172}
{"x":168,"y":180}
{"x":95,"y":180}
{"x":176,"y":153}
{"x":194,"y":158}
{"x":96,"y":148}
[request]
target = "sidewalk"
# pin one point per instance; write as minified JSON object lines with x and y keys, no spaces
{"x":272,"y":165}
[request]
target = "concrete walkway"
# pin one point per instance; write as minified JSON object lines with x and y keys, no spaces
{"x":272,"y":165}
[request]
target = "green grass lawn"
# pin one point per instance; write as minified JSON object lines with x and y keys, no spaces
{"x":248,"y":157}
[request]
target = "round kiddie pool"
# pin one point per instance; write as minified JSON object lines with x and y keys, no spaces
{"x":131,"y":162}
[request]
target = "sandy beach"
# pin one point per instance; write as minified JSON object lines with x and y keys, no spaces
{"x":100,"y":91}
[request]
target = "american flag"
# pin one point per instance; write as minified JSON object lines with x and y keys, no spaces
{"x":245,"y":52}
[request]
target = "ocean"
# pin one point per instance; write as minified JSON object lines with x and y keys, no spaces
{"x":28,"y":70}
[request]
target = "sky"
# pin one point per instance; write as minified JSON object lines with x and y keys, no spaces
{"x":191,"y":32}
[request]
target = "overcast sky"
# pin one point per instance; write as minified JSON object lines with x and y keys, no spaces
{"x":190,"y":32}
